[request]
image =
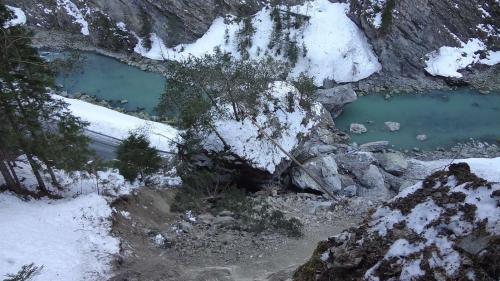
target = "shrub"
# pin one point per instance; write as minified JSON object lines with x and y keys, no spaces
{"x":26,"y":273}
{"x":136,"y":157}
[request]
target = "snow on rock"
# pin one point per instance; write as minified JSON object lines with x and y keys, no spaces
{"x":448,"y":60}
{"x":119,"y":125}
{"x":244,"y":137}
{"x":68,"y":237}
{"x":336,"y":48}
{"x":19,"y":17}
{"x":73,"y":10}
{"x":443,"y":228}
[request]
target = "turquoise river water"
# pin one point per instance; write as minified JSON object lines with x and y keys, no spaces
{"x":445,"y":117}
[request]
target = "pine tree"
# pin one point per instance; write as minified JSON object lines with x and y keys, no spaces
{"x":136,"y":157}
{"x":39,"y":124}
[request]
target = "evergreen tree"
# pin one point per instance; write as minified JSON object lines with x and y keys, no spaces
{"x":36,"y":125}
{"x":136,"y":157}
{"x":201,"y":90}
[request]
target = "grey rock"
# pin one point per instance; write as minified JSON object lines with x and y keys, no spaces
{"x":372,"y":178}
{"x":350,"y":191}
{"x":124,"y":101}
{"x":356,"y":162}
{"x":334,"y":99}
{"x":223,"y":221}
{"x":185,"y":226}
{"x":357,"y":128}
{"x":375,"y":146}
{"x":393,"y":162}
{"x":324,"y":168}
{"x":392,"y":126}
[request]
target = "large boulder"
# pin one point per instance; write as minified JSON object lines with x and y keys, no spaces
{"x":324,"y":168}
{"x":393,"y":162}
{"x":372,"y":178}
{"x":375,"y":146}
{"x":334,"y":99}
{"x":357,"y":128}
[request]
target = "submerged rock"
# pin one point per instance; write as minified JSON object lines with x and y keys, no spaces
{"x":421,"y":137}
{"x":392,"y":126}
{"x":357,"y":128}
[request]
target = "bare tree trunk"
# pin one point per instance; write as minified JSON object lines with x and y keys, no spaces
{"x":13,"y":172}
{"x":9,"y":181}
{"x":53,"y":177}
{"x":36,"y":171}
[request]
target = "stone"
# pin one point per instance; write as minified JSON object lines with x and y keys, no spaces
{"x":324,"y":168}
{"x":77,"y":95}
{"x":372,"y":178}
{"x":124,"y":101}
{"x":421,"y":137}
{"x":350,"y":191}
{"x":206,"y":218}
{"x":393,"y":162}
{"x":374,"y":146}
{"x":336,"y":98}
{"x":357,"y":128}
{"x":392,"y":126}
{"x":355,"y":162}
{"x":185,"y":226}
{"x":223,"y":221}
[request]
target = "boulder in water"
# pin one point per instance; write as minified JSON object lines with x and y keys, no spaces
{"x":357,"y":128}
{"x":334,"y":99}
{"x":392,"y":126}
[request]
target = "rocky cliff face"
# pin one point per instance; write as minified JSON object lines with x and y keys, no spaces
{"x":175,"y":21}
{"x":403,"y":32}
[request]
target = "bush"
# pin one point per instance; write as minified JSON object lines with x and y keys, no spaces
{"x":26,"y":273}
{"x":136,"y":157}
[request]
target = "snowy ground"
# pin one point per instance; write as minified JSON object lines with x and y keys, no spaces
{"x":69,"y":238}
{"x":336,"y":48}
{"x":119,"y":125}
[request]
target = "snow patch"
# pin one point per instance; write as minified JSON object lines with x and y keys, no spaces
{"x":74,"y":11}
{"x":18,"y":19}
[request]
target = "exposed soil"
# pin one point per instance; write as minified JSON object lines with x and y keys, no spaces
{"x":210,"y":250}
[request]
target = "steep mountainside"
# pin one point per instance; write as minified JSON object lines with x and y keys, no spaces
{"x":403,"y":32}
{"x":111,"y":22}
{"x":416,"y":42}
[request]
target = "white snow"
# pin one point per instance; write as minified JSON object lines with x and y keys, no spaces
{"x":19,"y":17}
{"x":448,"y":60}
{"x":119,"y":125}
{"x":336,"y":48}
{"x":486,"y":168}
{"x":244,"y":137}
{"x":69,"y":237}
{"x":74,"y":11}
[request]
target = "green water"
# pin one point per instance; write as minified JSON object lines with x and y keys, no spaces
{"x":110,"y":79}
{"x":445,"y":117}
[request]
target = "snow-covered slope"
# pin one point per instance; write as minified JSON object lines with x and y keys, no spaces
{"x":444,"y":228}
{"x":247,"y":142}
{"x":69,"y":237}
{"x":118,"y":125}
{"x":336,"y":48}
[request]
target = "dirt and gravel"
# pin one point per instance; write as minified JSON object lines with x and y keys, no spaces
{"x":157,"y":244}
